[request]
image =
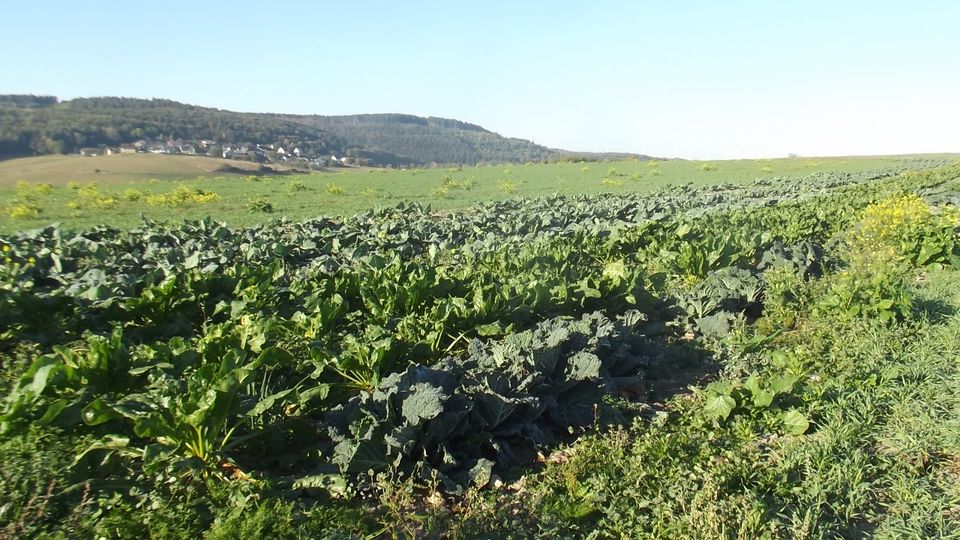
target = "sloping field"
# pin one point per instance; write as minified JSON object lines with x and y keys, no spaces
{"x":59,"y":170}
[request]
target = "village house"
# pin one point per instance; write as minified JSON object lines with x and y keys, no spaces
{"x":246,"y":151}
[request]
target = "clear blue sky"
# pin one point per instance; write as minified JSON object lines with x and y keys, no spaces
{"x":686,"y":79}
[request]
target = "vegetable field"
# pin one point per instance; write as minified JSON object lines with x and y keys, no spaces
{"x":765,"y":358}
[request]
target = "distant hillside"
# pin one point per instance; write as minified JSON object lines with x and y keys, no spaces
{"x":12,"y":101}
{"x":66,"y":127}
{"x":426,"y":140}
{"x":568,"y":155}
{"x":42,"y":125}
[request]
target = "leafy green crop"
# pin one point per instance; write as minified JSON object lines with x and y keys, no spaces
{"x":458,"y":419}
{"x":447,"y":347}
{"x":766,"y":398}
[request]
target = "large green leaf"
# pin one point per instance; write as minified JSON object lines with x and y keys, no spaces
{"x":719,"y":406}
{"x":367,"y":454}
{"x":795,"y":423}
{"x":481,"y":473}
{"x":98,"y":412}
{"x":268,"y":402}
{"x":761,"y":397}
{"x":334,"y":484}
{"x":424,"y":402}
{"x":783,"y":384}
{"x":154,"y":425}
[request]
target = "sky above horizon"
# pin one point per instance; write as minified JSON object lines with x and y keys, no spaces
{"x":688,"y":79}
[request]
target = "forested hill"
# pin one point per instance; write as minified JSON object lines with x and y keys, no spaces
{"x":36,"y":125}
{"x":43,"y":127}
{"x":426,"y":140}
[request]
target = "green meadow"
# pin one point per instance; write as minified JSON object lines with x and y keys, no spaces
{"x":247,"y":200}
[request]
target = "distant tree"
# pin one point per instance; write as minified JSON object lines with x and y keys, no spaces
{"x":26,"y":101}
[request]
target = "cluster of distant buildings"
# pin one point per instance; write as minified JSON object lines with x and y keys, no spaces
{"x":258,"y":153}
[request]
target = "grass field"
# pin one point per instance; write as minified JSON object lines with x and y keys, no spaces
{"x":71,"y":193}
{"x":61,"y":170}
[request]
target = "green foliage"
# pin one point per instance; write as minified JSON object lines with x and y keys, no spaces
{"x":132,"y":195}
{"x":442,"y":350}
{"x":259,"y":204}
{"x":23,"y":210}
{"x":31,"y":191}
{"x":612,"y":182}
{"x":373,"y":193}
{"x":190,"y":430}
{"x":910,"y":228}
{"x":74,"y":377}
{"x":449,"y":183}
{"x":683,"y":473}
{"x":714,"y":303}
{"x":538,"y":383}
{"x":182,"y":195}
{"x":873,"y":291}
{"x":297,"y":186}
{"x":26,"y":205}
{"x":764,"y":398}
